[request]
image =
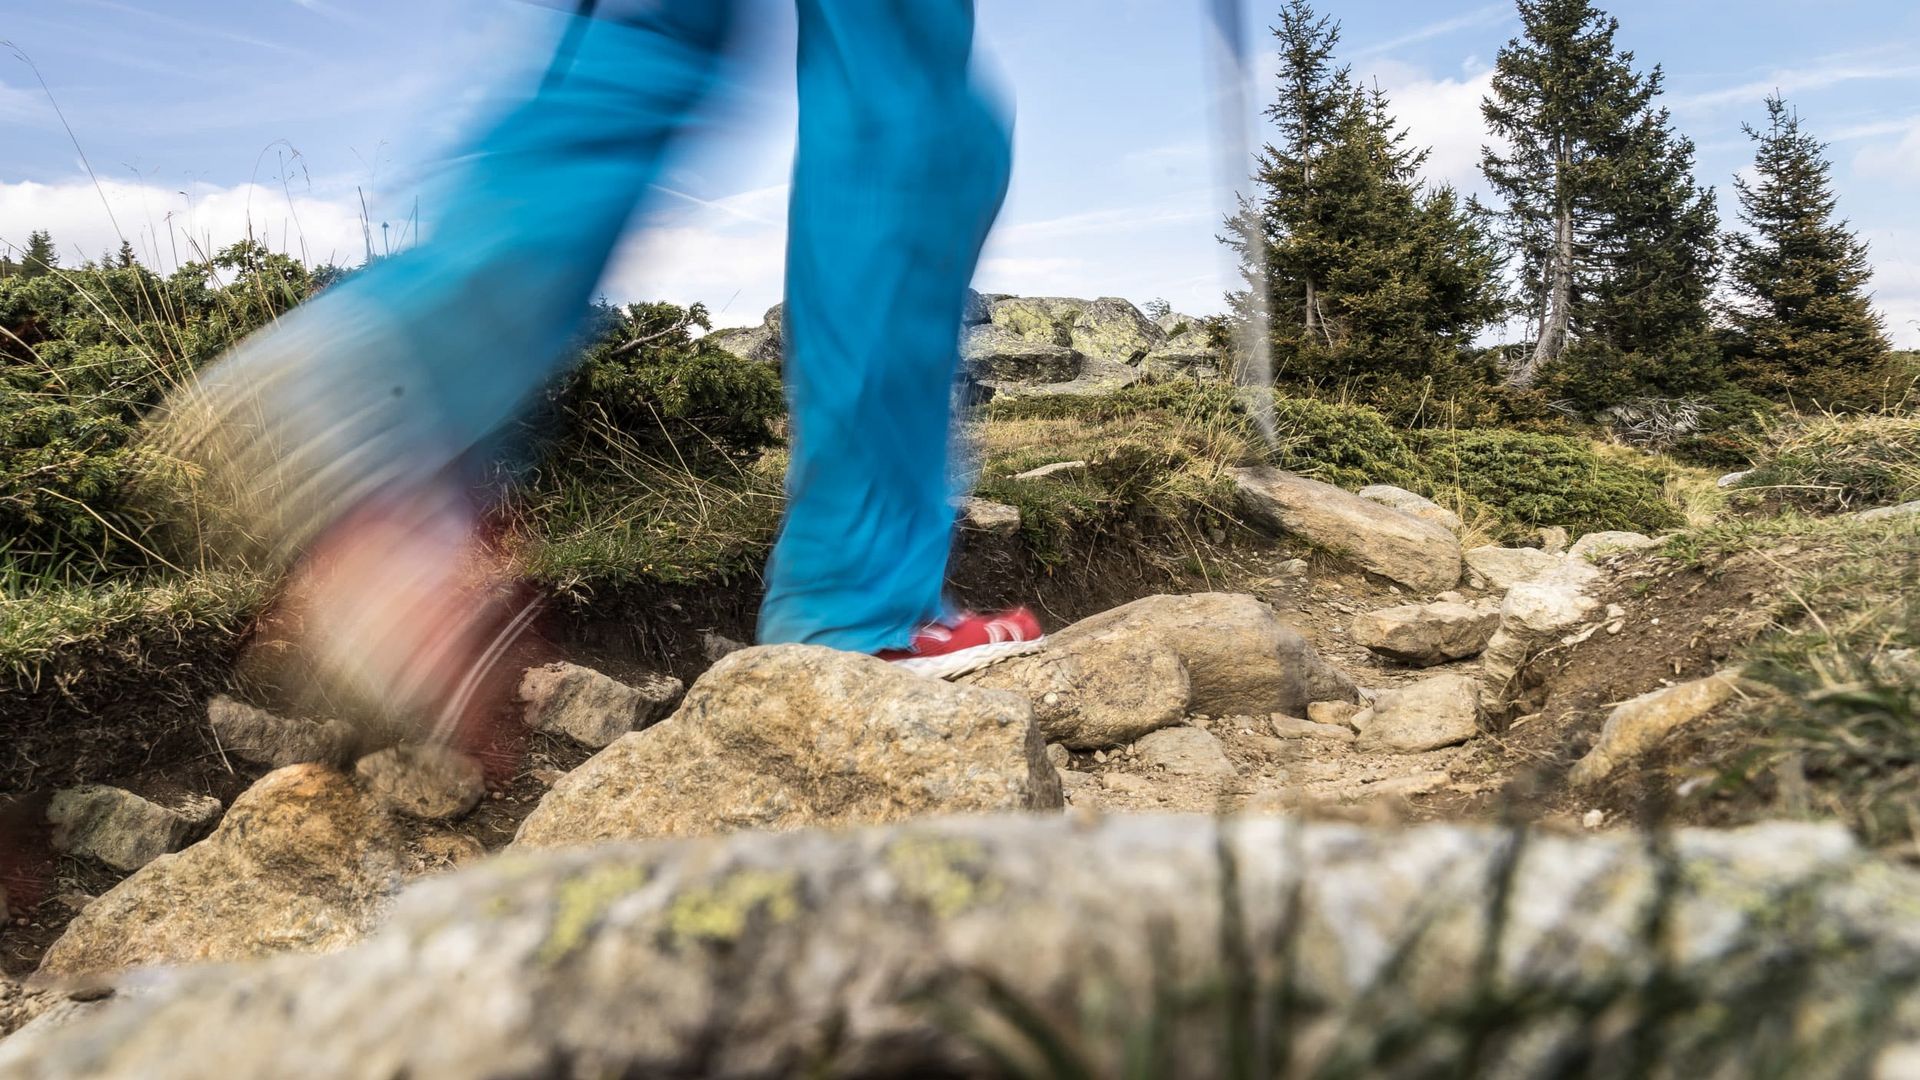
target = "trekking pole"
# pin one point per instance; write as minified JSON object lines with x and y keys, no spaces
{"x":1231,"y":66}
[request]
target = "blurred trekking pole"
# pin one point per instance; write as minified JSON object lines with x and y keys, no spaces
{"x":1230,"y":63}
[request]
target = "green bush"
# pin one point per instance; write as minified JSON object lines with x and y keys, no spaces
{"x":1532,"y":480}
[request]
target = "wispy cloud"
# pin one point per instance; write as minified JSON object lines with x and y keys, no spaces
{"x":1490,"y":15}
{"x":1836,"y":72}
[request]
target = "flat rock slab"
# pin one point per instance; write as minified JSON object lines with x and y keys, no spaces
{"x":1427,"y":634}
{"x":302,"y":861}
{"x":1504,"y":567}
{"x":814,"y":953}
{"x":1408,"y":502}
{"x":788,"y":736}
{"x":1600,"y":545}
{"x":1185,"y":751}
{"x":262,"y":738}
{"x":1440,"y":711}
{"x":1404,"y":549}
{"x":989,"y":518}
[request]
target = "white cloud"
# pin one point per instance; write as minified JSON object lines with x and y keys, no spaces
{"x":1442,"y":114}
{"x":1489,"y":15}
{"x":1897,"y":160}
{"x":728,"y":253}
{"x":168,"y":226}
{"x":1788,"y":81}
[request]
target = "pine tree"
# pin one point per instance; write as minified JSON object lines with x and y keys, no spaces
{"x":1802,"y":318}
{"x":40,"y":257}
{"x":125,"y":260}
{"x":1374,"y":283}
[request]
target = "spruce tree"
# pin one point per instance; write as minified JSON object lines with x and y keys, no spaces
{"x":125,"y":260}
{"x":1803,"y":322}
{"x":1375,"y":283}
{"x":40,"y":257}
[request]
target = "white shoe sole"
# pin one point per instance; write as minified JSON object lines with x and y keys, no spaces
{"x":955,"y":664}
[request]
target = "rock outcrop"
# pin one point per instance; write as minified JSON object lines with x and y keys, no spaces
{"x":929,"y":949}
{"x":1418,"y":554}
{"x":789,"y":736}
{"x":1637,"y":726}
{"x":1502,"y":567}
{"x":996,"y":353}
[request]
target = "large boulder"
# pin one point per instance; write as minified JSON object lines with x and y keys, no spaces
{"x":1427,"y":634}
{"x":756,"y":344}
{"x":1408,"y":502}
{"x":1032,"y":317}
{"x":1399,"y":547}
{"x":1428,"y":715}
{"x":1241,"y":660}
{"x":1637,"y":726}
{"x":1097,"y":690}
{"x":122,"y":829}
{"x":788,"y":736}
{"x":1503,"y":567}
{"x":1125,"y":946}
{"x":995,"y":353}
{"x":303,"y":861}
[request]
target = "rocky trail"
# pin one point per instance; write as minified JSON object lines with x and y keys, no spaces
{"x":1358,"y":665}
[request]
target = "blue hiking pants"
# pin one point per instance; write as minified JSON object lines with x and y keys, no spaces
{"x":901,"y":169}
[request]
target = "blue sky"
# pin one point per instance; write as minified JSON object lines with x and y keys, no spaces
{"x":202,"y":116}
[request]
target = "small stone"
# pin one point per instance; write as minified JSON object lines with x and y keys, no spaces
{"x":1598,"y":545}
{"x":1427,"y":634}
{"x":1403,"y":787}
{"x":989,"y":518}
{"x":1593,"y":819}
{"x":1125,"y":783}
{"x":1290,"y":727}
{"x":1334,"y":713}
{"x":1637,"y":726}
{"x":430,"y":782}
{"x":448,"y":849}
{"x":1449,"y":597}
{"x":1100,"y":757}
{"x":547,"y":777}
{"x":1058,"y":468}
{"x":1553,"y":539}
{"x":713,"y":646}
{"x":591,"y":708}
{"x":1185,"y":751}
{"x":1059,"y":756}
{"x":1294,"y":567}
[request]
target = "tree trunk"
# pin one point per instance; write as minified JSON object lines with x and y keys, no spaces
{"x":1167,"y":946}
{"x":1558,"y":317}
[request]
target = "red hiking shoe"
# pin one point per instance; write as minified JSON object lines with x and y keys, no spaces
{"x":944,"y":650}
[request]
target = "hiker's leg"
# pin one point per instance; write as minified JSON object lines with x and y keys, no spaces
{"x":389,"y":376}
{"x":902,"y":166}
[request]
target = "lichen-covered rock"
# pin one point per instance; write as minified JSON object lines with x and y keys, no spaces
{"x":1881,"y":513}
{"x":122,"y":829}
{"x":1408,"y":502}
{"x":903,"y":951}
{"x":1188,"y":355}
{"x":1432,"y":713}
{"x":757,"y":344}
{"x":993,"y":353}
{"x":1184,"y":751}
{"x":1398,"y":546}
{"x":1504,"y":567}
{"x":1241,"y":659}
{"x":1427,"y":634}
{"x":1098,"y":690}
{"x":1112,"y":329}
{"x":302,"y":861}
{"x":788,"y":736}
{"x":1634,"y":727}
{"x":429,"y":782}
{"x":591,"y":708}
{"x":274,"y":741}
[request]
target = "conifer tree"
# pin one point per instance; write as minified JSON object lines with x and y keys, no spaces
{"x":1375,"y":282}
{"x":1617,"y":243}
{"x":125,"y":260}
{"x":1802,"y":318}
{"x":40,"y":257}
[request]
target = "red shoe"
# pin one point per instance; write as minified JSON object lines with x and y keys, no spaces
{"x":944,"y":650}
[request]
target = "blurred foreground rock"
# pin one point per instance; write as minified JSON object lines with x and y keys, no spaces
{"x":961,"y":947}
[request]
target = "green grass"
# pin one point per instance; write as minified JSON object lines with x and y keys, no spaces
{"x":38,"y":628}
{"x":1834,"y":463}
